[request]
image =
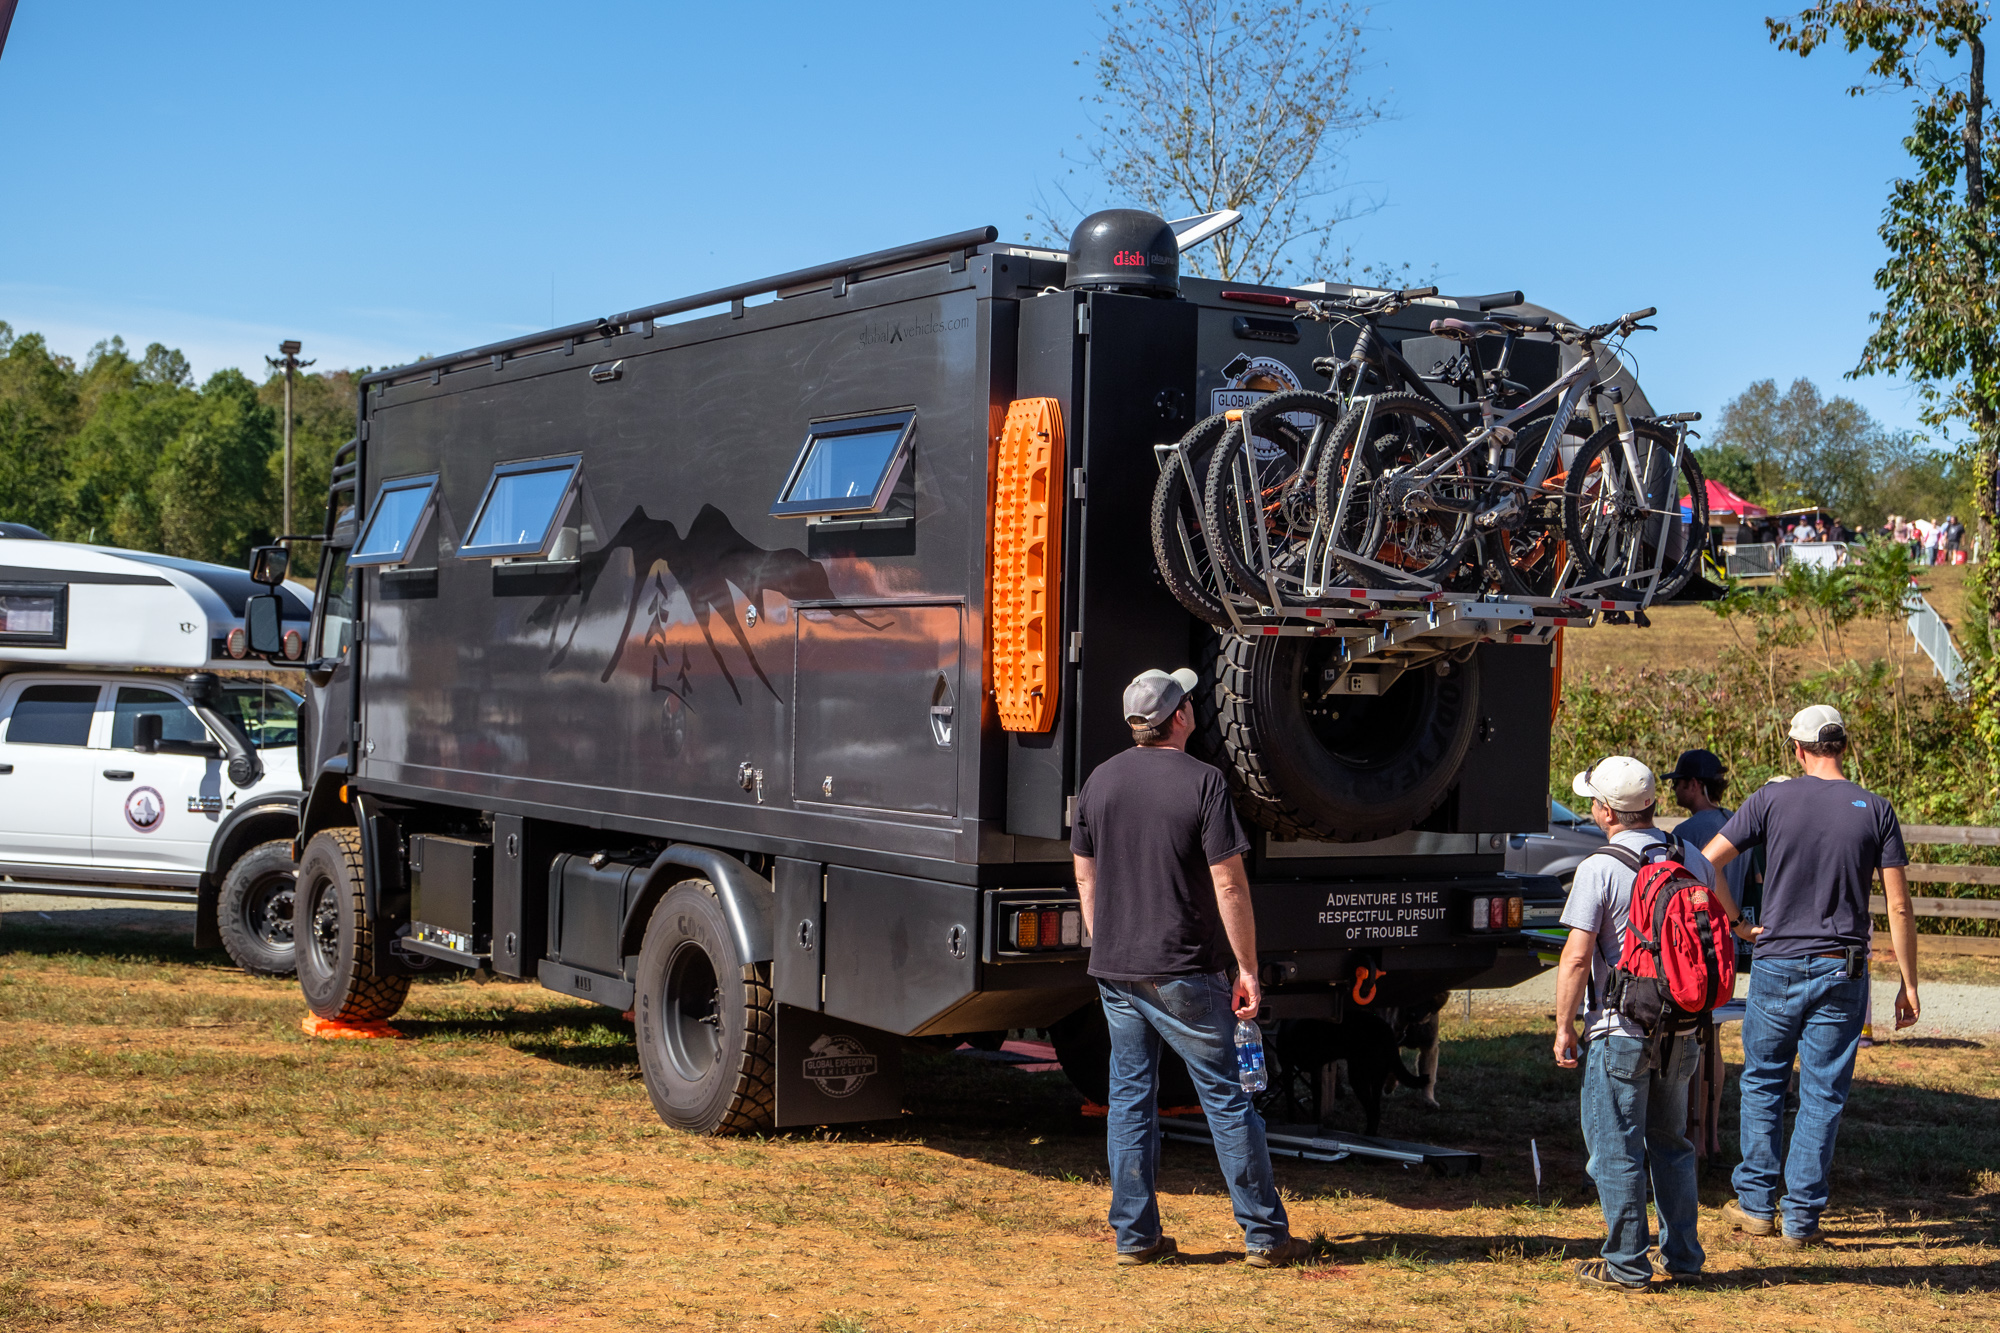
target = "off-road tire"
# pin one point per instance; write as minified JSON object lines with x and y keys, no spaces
{"x":256,"y":909}
{"x":334,"y":939}
{"x":1083,"y":1045}
{"x":1253,"y":721}
{"x":1177,"y":514}
{"x":1628,"y":560}
{"x":691,"y":978}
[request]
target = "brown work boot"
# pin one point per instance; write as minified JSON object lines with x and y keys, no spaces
{"x":1748,"y":1223}
{"x":1286,"y":1252}
{"x":1791,"y":1242}
{"x":1163,"y":1248}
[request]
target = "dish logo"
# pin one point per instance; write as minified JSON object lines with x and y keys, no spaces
{"x":1129,"y":259}
{"x":145,"y":809}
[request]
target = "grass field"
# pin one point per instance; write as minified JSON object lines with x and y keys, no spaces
{"x":1693,"y":636}
{"x":174,"y":1155}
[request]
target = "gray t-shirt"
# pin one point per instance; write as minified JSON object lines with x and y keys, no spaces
{"x":1823,"y":841}
{"x":1697,"y":829}
{"x":1600,"y":899}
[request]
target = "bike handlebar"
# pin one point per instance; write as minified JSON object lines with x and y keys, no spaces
{"x":1495,"y":300}
{"x":1626,"y":323}
{"x":1415,"y":293}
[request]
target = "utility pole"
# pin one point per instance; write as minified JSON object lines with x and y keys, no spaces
{"x":291,"y":365}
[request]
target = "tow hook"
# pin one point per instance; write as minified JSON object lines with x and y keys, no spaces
{"x":1366,"y":976}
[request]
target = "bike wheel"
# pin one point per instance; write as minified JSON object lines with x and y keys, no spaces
{"x":1395,"y":528}
{"x":1257,"y":506}
{"x":1620,"y":525}
{"x":1180,"y":550}
{"x":1526,"y":556}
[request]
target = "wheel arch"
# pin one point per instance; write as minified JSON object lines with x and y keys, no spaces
{"x":748,"y":902}
{"x":251,"y":824}
{"x":323,"y":807}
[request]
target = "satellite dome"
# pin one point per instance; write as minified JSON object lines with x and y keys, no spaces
{"x":1125,"y":250}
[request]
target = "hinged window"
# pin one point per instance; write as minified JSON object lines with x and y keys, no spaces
{"x":537,"y":509}
{"x":848,"y":466}
{"x":396,"y":522}
{"x":34,"y":614}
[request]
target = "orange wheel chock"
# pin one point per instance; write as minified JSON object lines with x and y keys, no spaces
{"x":328,"y":1029}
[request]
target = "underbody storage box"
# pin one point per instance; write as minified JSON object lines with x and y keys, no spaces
{"x":451,"y":893}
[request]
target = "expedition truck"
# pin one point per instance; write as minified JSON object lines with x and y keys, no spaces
{"x":128,"y":767}
{"x":740,"y":670}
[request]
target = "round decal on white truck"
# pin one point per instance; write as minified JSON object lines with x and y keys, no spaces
{"x":145,"y":809}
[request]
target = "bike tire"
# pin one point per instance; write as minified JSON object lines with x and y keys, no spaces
{"x":1609,"y":539}
{"x":1263,"y":420}
{"x":1427,"y":429}
{"x":1180,"y":545}
{"x":1526,"y":561}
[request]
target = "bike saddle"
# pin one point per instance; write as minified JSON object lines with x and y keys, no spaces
{"x":1465,"y":330}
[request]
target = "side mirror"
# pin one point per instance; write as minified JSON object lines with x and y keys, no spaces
{"x":268,"y":565}
{"x":146,"y":730}
{"x":263,"y":621}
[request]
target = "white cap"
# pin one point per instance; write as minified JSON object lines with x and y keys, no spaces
{"x":1153,"y":696}
{"x":1623,"y":784}
{"x":1810,"y":724}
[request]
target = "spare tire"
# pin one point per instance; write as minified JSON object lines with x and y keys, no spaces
{"x":1347,"y":768}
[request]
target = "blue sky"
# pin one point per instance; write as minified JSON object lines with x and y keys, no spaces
{"x":387,"y":180}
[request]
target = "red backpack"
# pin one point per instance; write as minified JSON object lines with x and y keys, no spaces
{"x":1679,"y":959}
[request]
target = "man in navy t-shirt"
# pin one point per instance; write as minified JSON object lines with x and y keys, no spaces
{"x":1159,"y":867}
{"x":1823,"y":838}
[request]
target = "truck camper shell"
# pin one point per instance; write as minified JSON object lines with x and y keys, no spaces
{"x":697,"y":658}
{"x":70,"y":604}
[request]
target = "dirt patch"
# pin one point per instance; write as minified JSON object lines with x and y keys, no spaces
{"x":174,"y":1154}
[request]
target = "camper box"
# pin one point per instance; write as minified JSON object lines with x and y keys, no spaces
{"x":741,"y":668}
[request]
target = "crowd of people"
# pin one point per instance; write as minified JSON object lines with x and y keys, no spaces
{"x":1930,"y":541}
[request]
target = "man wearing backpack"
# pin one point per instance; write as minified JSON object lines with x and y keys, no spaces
{"x":1823,"y":838}
{"x":1635,"y":1083}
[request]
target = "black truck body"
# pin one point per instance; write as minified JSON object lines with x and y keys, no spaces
{"x":743,"y":773}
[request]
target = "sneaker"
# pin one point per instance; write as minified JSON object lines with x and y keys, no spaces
{"x":1597,"y":1273}
{"x":1814,"y":1237}
{"x":1748,"y":1223}
{"x":1163,"y":1248}
{"x":1292,"y":1250}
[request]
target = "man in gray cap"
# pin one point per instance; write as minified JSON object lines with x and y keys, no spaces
{"x":1824,"y":838}
{"x":1159,"y":866}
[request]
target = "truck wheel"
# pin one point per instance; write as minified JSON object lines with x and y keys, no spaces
{"x":1083,"y":1045}
{"x":256,"y":910}
{"x":335,"y":947}
{"x":703,"y":1019}
{"x":1346,"y":768}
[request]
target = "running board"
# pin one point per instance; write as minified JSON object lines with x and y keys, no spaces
{"x":1311,"y":1144}
{"x":46,"y":890}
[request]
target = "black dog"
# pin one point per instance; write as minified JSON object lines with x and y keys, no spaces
{"x":1366,"y":1042}
{"x":1417,"y":1030}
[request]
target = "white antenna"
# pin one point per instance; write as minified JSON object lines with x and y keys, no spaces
{"x":1191,"y":232}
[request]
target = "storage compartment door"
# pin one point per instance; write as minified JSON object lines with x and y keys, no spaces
{"x":879,"y":709}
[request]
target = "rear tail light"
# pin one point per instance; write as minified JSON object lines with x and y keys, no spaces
{"x":1513,"y":914}
{"x":1034,"y":929}
{"x":1496,"y":913}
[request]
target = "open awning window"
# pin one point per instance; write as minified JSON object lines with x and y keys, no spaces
{"x":396,"y":521}
{"x":521,"y":515}
{"x":848,"y":466}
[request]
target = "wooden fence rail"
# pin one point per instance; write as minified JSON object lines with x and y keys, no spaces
{"x":1957,"y":909}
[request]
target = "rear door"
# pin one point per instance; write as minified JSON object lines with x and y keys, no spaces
{"x":47,"y":770}
{"x":155,"y":811}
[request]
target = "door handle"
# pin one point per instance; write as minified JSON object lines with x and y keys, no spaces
{"x":6,"y":768}
{"x":118,"y":774}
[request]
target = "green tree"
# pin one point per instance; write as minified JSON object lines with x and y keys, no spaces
{"x":38,"y":414}
{"x":1802,"y":448}
{"x":215,"y":493}
{"x":117,"y":461}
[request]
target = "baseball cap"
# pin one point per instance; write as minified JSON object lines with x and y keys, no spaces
{"x":1620,"y":782}
{"x":1153,"y":696}
{"x":1702,"y":764}
{"x":1811,"y":724}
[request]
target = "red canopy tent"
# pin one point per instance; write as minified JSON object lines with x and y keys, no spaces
{"x":1723,"y":500}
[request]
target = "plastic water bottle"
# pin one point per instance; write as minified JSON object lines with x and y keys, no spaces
{"x":1250,"y":1056}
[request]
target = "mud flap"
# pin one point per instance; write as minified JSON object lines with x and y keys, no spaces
{"x":831,"y":1071}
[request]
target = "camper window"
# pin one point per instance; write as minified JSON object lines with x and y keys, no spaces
{"x":847,"y":466}
{"x":177,"y":721}
{"x":53,"y":715}
{"x":34,"y":614}
{"x":396,"y":521}
{"x":522,"y":509}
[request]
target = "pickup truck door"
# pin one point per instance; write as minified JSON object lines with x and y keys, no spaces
{"x":47,"y":770}
{"x":156,"y":811}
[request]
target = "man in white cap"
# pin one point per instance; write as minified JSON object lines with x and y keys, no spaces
{"x":1634,"y":1113}
{"x":1823,"y":839}
{"x":1159,"y":866}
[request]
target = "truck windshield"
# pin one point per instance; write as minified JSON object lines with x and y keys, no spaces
{"x":269,"y":714}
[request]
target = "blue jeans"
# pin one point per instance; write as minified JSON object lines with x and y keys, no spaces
{"x":1635,"y":1124}
{"x":1191,"y":1014}
{"x":1810,"y":1009}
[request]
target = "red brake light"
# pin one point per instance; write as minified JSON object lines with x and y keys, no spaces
{"x":1260,"y":298}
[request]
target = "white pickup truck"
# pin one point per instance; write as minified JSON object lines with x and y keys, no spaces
{"x":128,"y":767}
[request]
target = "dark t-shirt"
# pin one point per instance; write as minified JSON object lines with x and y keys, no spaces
{"x":1155,"y":819}
{"x":1823,"y":841}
